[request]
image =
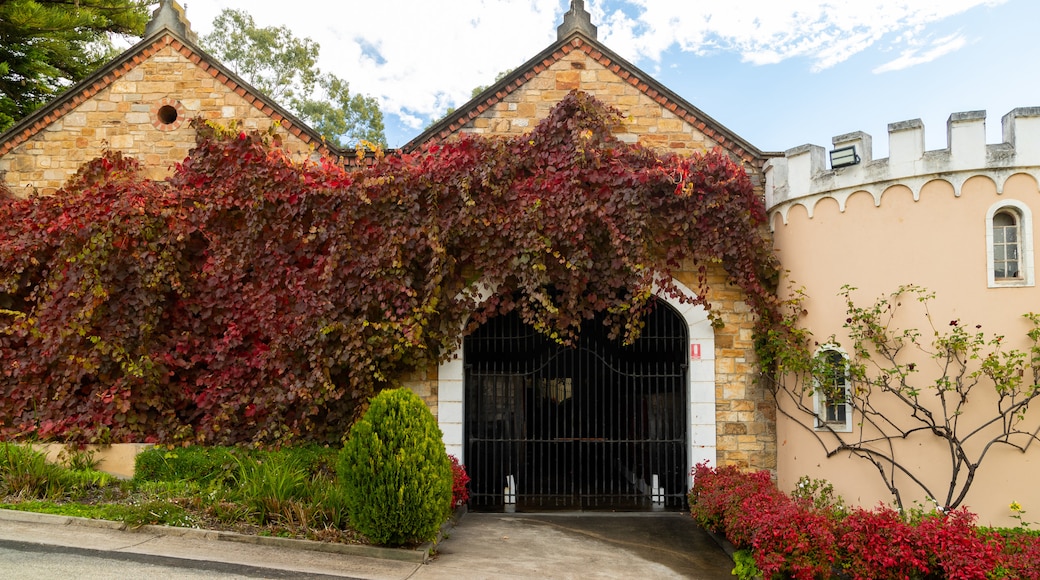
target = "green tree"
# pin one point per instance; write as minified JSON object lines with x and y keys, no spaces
{"x":349,"y":116}
{"x":47,"y":45}
{"x":272,"y":59}
{"x":285,"y":68}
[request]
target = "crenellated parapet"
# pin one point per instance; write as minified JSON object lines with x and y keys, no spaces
{"x":802,"y":175}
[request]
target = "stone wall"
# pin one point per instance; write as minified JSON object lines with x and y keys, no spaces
{"x":143,"y":110}
{"x":745,"y":411}
{"x":646,"y":120}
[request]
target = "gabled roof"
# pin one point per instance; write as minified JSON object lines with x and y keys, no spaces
{"x":578,"y":40}
{"x":162,"y":36}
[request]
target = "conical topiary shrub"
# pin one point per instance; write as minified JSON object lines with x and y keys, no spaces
{"x":396,"y":473}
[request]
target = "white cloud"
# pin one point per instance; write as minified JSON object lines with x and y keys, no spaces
{"x":825,"y":31}
{"x":418,"y":57}
{"x":430,"y":54}
{"x":914,"y":56}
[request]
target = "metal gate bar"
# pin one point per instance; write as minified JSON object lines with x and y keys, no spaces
{"x":597,"y":426}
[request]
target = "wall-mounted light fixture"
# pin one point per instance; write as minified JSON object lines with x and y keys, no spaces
{"x":844,"y":157}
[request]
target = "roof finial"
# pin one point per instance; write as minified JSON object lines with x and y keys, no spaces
{"x":577,"y":19}
{"x":170,"y":15}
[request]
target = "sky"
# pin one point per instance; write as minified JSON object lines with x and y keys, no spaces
{"x":779,"y":73}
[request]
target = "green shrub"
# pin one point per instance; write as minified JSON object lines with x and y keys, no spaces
{"x":328,"y":504}
{"x":79,"y":459}
{"x":25,"y":472}
{"x":744,"y":567}
{"x":396,"y":474}
{"x":274,"y":487}
{"x":200,"y":464}
{"x":80,"y":481}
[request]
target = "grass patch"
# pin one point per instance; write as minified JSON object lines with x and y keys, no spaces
{"x":290,"y":492}
{"x":79,"y":510}
{"x":286,"y":493}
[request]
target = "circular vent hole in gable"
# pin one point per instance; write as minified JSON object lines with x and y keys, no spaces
{"x":167,"y":114}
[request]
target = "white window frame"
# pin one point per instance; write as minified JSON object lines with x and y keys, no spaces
{"x":1025,"y":256}
{"x":820,"y":398}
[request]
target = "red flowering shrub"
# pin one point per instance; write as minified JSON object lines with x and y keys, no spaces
{"x":786,"y":536}
{"x":460,"y":483}
{"x":794,"y":538}
{"x":959,"y":549}
{"x":717,"y":495}
{"x":1020,"y":557}
{"x":878,"y":544}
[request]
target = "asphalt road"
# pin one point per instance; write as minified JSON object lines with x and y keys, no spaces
{"x":25,"y":561}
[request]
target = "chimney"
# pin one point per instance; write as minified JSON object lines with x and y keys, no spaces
{"x":577,"y":19}
{"x":170,"y":15}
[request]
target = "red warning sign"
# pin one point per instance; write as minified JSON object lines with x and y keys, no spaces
{"x":695,"y":351}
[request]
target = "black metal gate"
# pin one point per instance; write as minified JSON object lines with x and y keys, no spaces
{"x":597,"y":426}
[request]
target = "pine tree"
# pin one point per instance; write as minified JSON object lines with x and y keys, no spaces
{"x":48,"y":45}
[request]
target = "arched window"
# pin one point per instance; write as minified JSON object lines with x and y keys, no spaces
{"x":1009,"y":241}
{"x":1007,"y":247}
{"x":831,"y":390}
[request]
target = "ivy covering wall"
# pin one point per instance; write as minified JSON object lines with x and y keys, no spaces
{"x":252,"y":297}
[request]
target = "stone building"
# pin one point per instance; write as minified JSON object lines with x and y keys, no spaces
{"x":141,"y":103}
{"x":728,"y":417}
{"x":709,"y":407}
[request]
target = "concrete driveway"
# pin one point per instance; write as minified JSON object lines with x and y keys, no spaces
{"x":578,"y":545}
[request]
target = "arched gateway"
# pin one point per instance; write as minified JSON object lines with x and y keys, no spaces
{"x":597,"y":426}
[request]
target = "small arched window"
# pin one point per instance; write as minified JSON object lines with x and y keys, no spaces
{"x":831,"y":390}
{"x":1009,"y":240}
{"x":1007,"y":245}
